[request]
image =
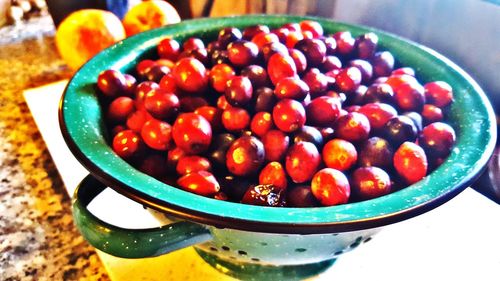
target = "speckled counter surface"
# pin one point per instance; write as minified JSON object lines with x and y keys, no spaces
{"x":38,"y":240}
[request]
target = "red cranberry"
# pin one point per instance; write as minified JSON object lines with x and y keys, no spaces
{"x":219,"y":75}
{"x":309,"y":134}
{"x":312,"y":26}
{"x":396,"y":81}
{"x":404,"y":70}
{"x":280,"y":66}
{"x":169,"y":48}
{"x":291,"y":88}
{"x":301,"y":196}
{"x":213,"y":116}
{"x":339,"y":154}
{"x":166,"y":62}
{"x":345,"y":42}
{"x":272,"y":48}
{"x":353,"y":127}
{"x":431,"y":114}
{"x":398,"y":130}
{"x":378,"y":114}
{"x":127,"y":144}
{"x":251,"y":31}
{"x":348,"y":79}
{"x":383,"y":63}
{"x":410,"y":97}
{"x":235,"y":119}
{"x":313,"y":49}
{"x":366,"y":45}
{"x":142,"y":90}
{"x":157,"y":134}
{"x":228,"y":35}
{"x":143,"y":67}
{"x":323,"y":111}
{"x":192,"y":163}
{"x":370,"y":182}
{"x":112,"y":83}
{"x":317,"y":82}
{"x":379,"y":93}
{"x":239,"y":91}
{"x":438,"y":93}
{"x":161,"y":104}
{"x":200,"y":182}
{"x":330,"y":187}
{"x":292,"y":38}
{"x":264,"y":195}
{"x":190,"y":75}
{"x":167,"y":83}
{"x":331,"y":63}
{"x":302,"y":161}
{"x":275,"y":145}
{"x":264,"y":99}
{"x":437,"y":139}
{"x":242,"y":53}
{"x":192,"y":133}
{"x":365,"y":68}
{"x":119,"y":109}
{"x":376,"y":151}
{"x":193,"y":43}
{"x":289,"y":115}
{"x":257,"y":75}
{"x":116,"y":129}
{"x":299,"y":59}
{"x":245,"y":156}
{"x":410,"y":162}
{"x":261,"y":123}
{"x":261,"y":39}
{"x":273,"y":173}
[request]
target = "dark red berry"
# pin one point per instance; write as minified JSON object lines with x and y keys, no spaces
{"x":410,"y":162}
{"x":245,"y":156}
{"x":302,"y":161}
{"x":437,"y":139}
{"x":275,"y":145}
{"x":353,"y":127}
{"x":264,"y":195}
{"x":370,"y":182}
{"x":330,"y":187}
{"x":289,"y":115}
{"x":192,"y":133}
{"x":200,"y":182}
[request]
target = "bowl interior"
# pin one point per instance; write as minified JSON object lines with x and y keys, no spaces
{"x":471,"y":116}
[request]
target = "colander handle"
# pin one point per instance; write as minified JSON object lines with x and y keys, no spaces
{"x":130,"y":243}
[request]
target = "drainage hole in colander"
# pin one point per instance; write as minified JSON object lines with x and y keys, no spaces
{"x":225,"y":248}
{"x":243,"y":253}
{"x":255,"y":259}
{"x":300,"y":250}
{"x":263,"y":243}
{"x":213,"y":249}
{"x":338,"y":253}
{"x":367,"y":239}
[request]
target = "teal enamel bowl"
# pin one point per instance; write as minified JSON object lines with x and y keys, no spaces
{"x":82,"y":125}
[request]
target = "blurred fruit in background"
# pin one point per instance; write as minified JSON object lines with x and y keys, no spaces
{"x":86,"y":32}
{"x":148,"y":15}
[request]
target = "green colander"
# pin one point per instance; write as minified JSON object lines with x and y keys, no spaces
{"x":253,"y":242}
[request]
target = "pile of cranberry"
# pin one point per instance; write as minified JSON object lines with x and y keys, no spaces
{"x":281,"y":117}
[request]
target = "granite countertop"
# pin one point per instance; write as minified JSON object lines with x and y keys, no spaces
{"x":38,"y":240}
